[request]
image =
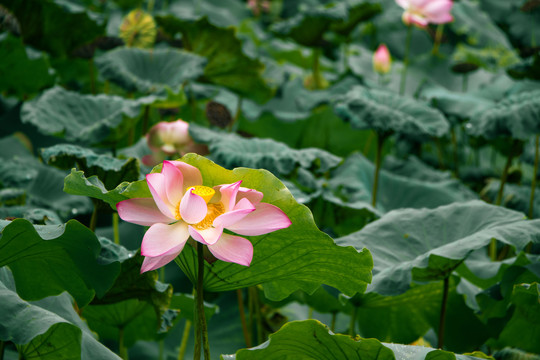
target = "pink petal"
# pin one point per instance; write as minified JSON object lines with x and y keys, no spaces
{"x":141,"y":211}
{"x":193,"y":208}
{"x":228,"y":195}
{"x":161,"y":238}
{"x":233,"y":249}
{"x":252,"y":195}
{"x":208,"y":236}
{"x":156,"y":184}
{"x":403,"y":3}
{"x":192,"y":175}
{"x":266,"y":218}
{"x":412,"y":19}
{"x":152,"y":263}
{"x":174,"y":182}
{"x":241,"y":209}
{"x":438,"y":12}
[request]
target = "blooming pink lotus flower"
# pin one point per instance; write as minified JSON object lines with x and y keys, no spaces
{"x":382,"y":62}
{"x":168,"y":138}
{"x":181,"y":207}
{"x":423,"y":12}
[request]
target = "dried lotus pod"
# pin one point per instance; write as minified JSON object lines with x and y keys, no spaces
{"x":218,"y":114}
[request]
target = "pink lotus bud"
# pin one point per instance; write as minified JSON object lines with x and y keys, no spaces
{"x":424,"y":12}
{"x":169,"y":137}
{"x":382,"y":61}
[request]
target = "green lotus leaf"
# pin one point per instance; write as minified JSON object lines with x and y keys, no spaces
{"x":231,"y":150}
{"x":46,"y":260}
{"x":310,"y":23}
{"x":110,"y":170}
{"x":414,"y":168}
{"x":223,"y":13}
{"x":56,"y":26}
{"x":429,"y":244}
{"x":86,"y":119}
{"x":150,"y":71}
{"x":359,"y":11}
{"x":299,"y":257}
{"x":521,"y":25}
{"x":77,"y":183}
{"x":227,"y":64}
{"x":490,"y":58}
{"x":515,"y":116}
{"x":310,"y":339}
{"x":23,"y":71}
{"x":52,"y":329}
{"x":526,"y":315}
{"x":476,"y":25}
{"x":516,"y":197}
{"x":353,"y":182}
{"x":387,"y":112}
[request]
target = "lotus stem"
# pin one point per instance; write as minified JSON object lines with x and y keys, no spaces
{"x":352,"y":325}
{"x":455,"y":151}
{"x":116,"y":232}
{"x":122,"y":350}
{"x":247,"y":337}
{"x":2,"y":347}
{"x":405,"y":61}
{"x":465,"y":83}
{"x":93,"y":219}
{"x":145,"y":119}
{"x":201,"y":318}
{"x":378,"y":157}
{"x":316,"y":69}
{"x":333,"y":323}
{"x":533,"y":183}
{"x":256,"y":304}
{"x":442,"y":319}
{"x":185,"y":338}
{"x":438,"y":37}
{"x":237,"y":113}
{"x":310,"y":313}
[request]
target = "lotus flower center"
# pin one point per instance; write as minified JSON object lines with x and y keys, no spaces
{"x":203,"y":191}
{"x":214,"y":210}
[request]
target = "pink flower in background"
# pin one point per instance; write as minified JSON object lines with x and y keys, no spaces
{"x":382,"y":62}
{"x":181,"y":207}
{"x":169,"y":138}
{"x":424,"y":12}
{"x":257,"y":6}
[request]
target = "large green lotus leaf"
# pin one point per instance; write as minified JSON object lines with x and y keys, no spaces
{"x":110,"y":170}
{"x":85,"y":119}
{"x":414,"y":168}
{"x":223,"y":13}
{"x":227,"y":64}
{"x":310,"y":23}
{"x":522,"y":26}
{"x":56,"y":26}
{"x":150,"y":71}
{"x":523,"y":328}
{"x":52,"y":329}
{"x":77,"y":183}
{"x":516,"y":197}
{"x":353,"y":181}
{"x":47,"y":260}
{"x":297,"y":258}
{"x":515,"y":116}
{"x":476,"y":25}
{"x":231,"y":150}
{"x":359,"y":11}
{"x":310,"y":339}
{"x":427,"y":245}
{"x":23,"y":71}
{"x":460,"y":105}
{"x":387,"y":112}
{"x":406,"y":317}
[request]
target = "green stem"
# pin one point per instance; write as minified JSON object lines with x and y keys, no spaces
{"x":333,"y":323}
{"x":2,"y":347}
{"x":237,"y":113}
{"x":405,"y":60}
{"x":93,"y":219}
{"x":352,"y":325}
{"x":455,"y":151}
{"x":116,"y":232}
{"x":316,"y":68}
{"x":258,"y":317}
{"x":438,"y":37}
{"x":345,"y":57}
{"x":185,"y":338}
{"x":310,"y":313}
{"x":145,"y":119}
{"x":442,"y":318}
{"x":247,"y":337}
{"x":367,"y":144}
{"x":533,"y":183}
{"x":201,"y":318}
{"x":465,"y":83}
{"x":378,"y":157}
{"x":122,"y":350}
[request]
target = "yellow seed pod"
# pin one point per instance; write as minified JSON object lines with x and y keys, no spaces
{"x":138,"y":29}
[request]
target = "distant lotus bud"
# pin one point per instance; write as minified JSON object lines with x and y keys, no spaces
{"x":138,"y":29}
{"x":169,"y":137}
{"x":382,"y":61}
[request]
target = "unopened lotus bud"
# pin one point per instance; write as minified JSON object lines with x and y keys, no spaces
{"x":218,"y":114}
{"x":138,"y":29}
{"x":382,"y":61}
{"x":169,"y":137}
